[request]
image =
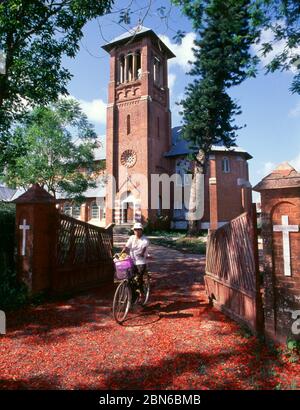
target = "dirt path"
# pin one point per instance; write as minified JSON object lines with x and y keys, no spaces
{"x":177,"y":342}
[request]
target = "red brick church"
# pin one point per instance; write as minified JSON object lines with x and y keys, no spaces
{"x":140,"y":142}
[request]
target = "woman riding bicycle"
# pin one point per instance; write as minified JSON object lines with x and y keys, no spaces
{"x":136,"y":247}
{"x":132,"y":274}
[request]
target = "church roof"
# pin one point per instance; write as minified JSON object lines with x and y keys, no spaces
{"x":98,"y":192}
{"x":136,"y":33}
{"x":181,"y":147}
{"x":6,"y":194}
{"x":284,"y":176}
{"x":137,"y":29}
{"x":35,"y":194}
{"x":99,"y":154}
{"x":21,"y":195}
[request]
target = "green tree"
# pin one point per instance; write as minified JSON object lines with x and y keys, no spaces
{"x":222,"y":60}
{"x":281,"y":19}
{"x":54,"y":148}
{"x":34,"y":36}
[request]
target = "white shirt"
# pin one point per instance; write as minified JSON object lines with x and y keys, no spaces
{"x":136,"y":247}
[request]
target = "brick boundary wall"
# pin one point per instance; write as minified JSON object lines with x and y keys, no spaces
{"x":44,"y":237}
{"x":280,"y":203}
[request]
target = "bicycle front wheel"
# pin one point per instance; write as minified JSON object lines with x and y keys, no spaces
{"x":146,"y":290}
{"x":122,"y":302}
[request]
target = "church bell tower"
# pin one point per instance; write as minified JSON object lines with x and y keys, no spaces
{"x":138,"y":130}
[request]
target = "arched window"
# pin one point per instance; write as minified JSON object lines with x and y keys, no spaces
{"x":161,"y":75}
{"x":76,"y":211}
{"x":67,"y":209}
{"x":94,"y":210}
{"x":121,"y":69}
{"x":156,"y":70}
{"x":128,"y":124}
{"x":138,"y":65}
{"x":225,"y":165}
{"x":130,"y":67}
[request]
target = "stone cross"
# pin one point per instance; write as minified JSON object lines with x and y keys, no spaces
{"x":285,"y":228}
{"x":24,"y":228}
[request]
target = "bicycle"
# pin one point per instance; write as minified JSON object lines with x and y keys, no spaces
{"x":127,"y":293}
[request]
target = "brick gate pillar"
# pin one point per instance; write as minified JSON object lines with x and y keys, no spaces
{"x":35,"y":232}
{"x":280,"y":203}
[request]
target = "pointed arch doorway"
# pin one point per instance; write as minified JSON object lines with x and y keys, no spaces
{"x":130,"y":209}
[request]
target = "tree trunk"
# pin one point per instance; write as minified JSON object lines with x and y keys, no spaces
{"x":199,"y":168}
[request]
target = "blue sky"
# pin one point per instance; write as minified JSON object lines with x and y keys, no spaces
{"x":270,"y":111}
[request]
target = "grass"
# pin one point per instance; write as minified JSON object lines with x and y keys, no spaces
{"x":176,"y":240}
{"x":179,"y":241}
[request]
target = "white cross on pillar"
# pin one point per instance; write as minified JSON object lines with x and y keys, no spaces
{"x":24,"y":228}
{"x":285,"y":228}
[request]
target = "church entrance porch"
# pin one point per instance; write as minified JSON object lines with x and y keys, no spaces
{"x":128,"y":205}
{"x":127,"y":209}
{"x":127,"y":212}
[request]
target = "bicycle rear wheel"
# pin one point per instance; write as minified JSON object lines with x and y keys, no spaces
{"x":122,"y":302}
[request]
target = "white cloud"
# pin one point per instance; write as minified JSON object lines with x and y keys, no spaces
{"x":266,"y":169}
{"x":269,"y":166}
{"x":295,"y":112}
{"x":171,"y":80}
{"x":296,"y":162}
{"x":95,"y":110}
{"x":183,"y":51}
{"x":100,"y":151}
{"x":176,"y":108}
{"x":267,"y":36}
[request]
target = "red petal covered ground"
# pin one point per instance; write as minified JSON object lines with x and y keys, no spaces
{"x":177,"y":342}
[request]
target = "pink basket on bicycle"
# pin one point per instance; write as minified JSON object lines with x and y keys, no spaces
{"x":123,"y":268}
